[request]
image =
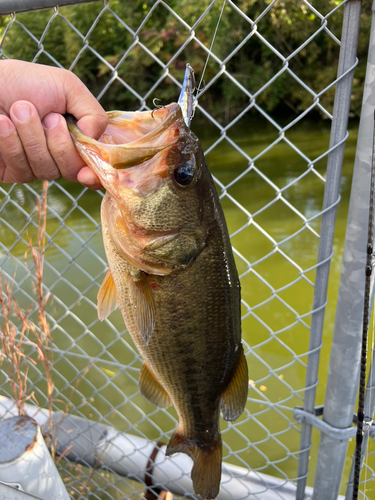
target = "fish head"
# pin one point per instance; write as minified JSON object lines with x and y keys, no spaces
{"x":151,"y":166}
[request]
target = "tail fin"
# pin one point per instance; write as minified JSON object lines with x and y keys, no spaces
{"x":206,"y":471}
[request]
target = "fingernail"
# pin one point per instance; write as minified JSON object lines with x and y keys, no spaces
{"x":50,"y":121}
{"x":4,"y":127}
{"x":22,"y":112}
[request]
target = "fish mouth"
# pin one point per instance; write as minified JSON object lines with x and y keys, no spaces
{"x":131,"y":138}
{"x":133,"y":151}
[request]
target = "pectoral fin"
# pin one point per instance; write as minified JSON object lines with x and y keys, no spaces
{"x":152,"y":390}
{"x":233,"y":399}
{"x":142,"y":299}
{"x":107,"y":297}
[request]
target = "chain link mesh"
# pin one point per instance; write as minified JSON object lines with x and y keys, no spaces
{"x":272,"y":216}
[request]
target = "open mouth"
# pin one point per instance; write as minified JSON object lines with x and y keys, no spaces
{"x":131,"y":138}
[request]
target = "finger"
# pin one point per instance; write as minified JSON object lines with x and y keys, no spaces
{"x":89,"y":179}
{"x":30,"y":131}
{"x":14,"y":166}
{"x":51,"y":90}
{"x":61,"y":147}
{"x":92,"y":119}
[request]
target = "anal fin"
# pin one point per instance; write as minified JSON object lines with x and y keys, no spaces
{"x":152,"y":390}
{"x":233,"y":399}
{"x":107,"y":297}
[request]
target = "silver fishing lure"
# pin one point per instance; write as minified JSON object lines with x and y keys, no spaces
{"x":187,"y":101}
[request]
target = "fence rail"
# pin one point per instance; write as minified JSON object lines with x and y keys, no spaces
{"x":16,"y":6}
{"x":278,"y":179}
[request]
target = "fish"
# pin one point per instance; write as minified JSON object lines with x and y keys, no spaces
{"x":172,"y":272}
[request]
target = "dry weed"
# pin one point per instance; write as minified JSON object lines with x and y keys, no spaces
{"x":42,"y":331}
{"x":15,"y":339}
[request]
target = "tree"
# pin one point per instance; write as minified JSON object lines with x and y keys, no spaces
{"x":92,"y":41}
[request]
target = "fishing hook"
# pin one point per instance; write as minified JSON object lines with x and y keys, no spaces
{"x":157,"y":106}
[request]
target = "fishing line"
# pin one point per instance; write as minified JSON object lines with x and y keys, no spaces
{"x":372,"y":367}
{"x":212,"y":43}
{"x":370,"y":388}
{"x":366,"y":312}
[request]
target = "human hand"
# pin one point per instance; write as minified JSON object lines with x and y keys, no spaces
{"x":34,"y":139}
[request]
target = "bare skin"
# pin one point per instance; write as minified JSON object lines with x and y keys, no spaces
{"x":34,"y":139}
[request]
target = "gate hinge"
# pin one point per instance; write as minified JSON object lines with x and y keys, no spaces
{"x":313,"y":419}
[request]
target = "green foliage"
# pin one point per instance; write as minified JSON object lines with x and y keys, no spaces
{"x":286,"y":26}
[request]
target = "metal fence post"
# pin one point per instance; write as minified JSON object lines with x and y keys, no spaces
{"x":342,"y":384}
{"x":347,"y":59}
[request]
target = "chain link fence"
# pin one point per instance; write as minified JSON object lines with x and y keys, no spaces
{"x":270,"y":172}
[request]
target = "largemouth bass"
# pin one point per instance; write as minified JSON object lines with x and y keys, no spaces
{"x":172,"y":273}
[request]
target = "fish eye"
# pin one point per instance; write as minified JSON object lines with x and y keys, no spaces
{"x":184,"y":174}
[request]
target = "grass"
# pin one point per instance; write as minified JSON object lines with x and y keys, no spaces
{"x":16,"y":339}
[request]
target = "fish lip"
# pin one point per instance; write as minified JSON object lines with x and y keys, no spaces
{"x":187,"y":101}
{"x":70,"y":120}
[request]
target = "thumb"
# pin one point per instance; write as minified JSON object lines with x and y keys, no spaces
{"x":93,"y":124}
{"x":92,"y":119}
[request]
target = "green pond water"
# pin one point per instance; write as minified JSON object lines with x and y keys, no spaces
{"x":106,"y":386}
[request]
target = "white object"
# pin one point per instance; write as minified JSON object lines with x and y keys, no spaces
{"x":129,"y":455}
{"x":26,"y":461}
